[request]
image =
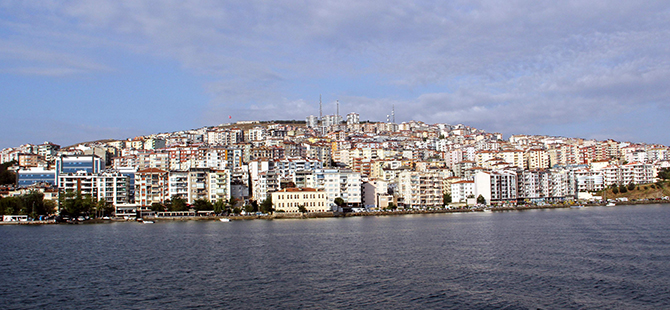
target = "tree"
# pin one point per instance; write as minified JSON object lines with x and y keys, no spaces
{"x":248,"y":208}
{"x":446,"y":199}
{"x":392,"y":206}
{"x":631,"y":186}
{"x":33,"y":204}
{"x":340,"y":202}
{"x":623,"y":189}
{"x":10,"y":205}
{"x":266,"y":205}
{"x":615,"y":190}
{"x":220,"y":206}
{"x":232,"y":202}
{"x":481,"y":200}
{"x":664,"y":174}
{"x":178,"y":204}
{"x":104,"y":208}
{"x":7,"y":176}
{"x":75,"y":204}
{"x":302,"y":209}
{"x":50,"y":206}
{"x":202,"y":205}
{"x":157,"y":207}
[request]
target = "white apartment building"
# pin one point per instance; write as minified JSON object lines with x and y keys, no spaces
{"x":496,"y":186}
{"x":178,"y":184}
{"x":337,"y":183}
{"x":461,"y":190}
{"x":219,"y":185}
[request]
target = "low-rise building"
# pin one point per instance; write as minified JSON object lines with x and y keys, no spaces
{"x":290,"y":200}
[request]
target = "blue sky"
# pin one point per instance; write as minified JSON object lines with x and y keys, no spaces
{"x":73,"y":71}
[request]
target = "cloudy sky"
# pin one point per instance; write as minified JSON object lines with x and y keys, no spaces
{"x":73,"y":71}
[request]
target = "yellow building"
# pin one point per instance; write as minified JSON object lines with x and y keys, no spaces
{"x":290,"y":199}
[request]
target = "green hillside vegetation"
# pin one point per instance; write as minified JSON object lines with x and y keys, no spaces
{"x":642,"y":191}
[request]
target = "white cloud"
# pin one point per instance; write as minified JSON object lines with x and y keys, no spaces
{"x":508,"y":66}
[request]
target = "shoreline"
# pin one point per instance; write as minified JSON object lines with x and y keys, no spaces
{"x":280,"y":216}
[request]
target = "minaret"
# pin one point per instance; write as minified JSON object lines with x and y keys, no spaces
{"x":393,"y":113}
{"x":320,"y":109}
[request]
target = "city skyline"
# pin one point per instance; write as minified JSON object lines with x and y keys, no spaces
{"x":81,"y":71}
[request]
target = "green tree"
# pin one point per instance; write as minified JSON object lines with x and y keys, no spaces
{"x":75,"y":204}
{"x":10,"y":205}
{"x":249,"y":209}
{"x":237,"y":210}
{"x":104,"y":208}
{"x":302,"y":209}
{"x":623,"y":189}
{"x":50,"y":206}
{"x":481,"y":200}
{"x":33,"y":204}
{"x":202,"y":205}
{"x":631,"y":186}
{"x":615,"y":190}
{"x":232,"y":202}
{"x":392,"y":206}
{"x":220,"y":206}
{"x":266,"y":205}
{"x":178,"y":204}
{"x":446,"y":199}
{"x":157,"y":207}
{"x":340,"y":202}
{"x":664,"y":174}
{"x":6,"y":176}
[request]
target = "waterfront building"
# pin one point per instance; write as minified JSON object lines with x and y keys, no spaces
{"x":374,"y":193}
{"x":496,"y":186}
{"x":151,"y":186}
{"x":178,"y":184}
{"x":290,"y":200}
{"x":420,"y":189}
{"x":461,"y":190}
{"x":219,"y":185}
{"x":113,"y":187}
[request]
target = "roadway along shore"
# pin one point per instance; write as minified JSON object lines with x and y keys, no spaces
{"x":282,"y":215}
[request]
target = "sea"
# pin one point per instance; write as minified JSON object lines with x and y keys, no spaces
{"x":588,"y":258}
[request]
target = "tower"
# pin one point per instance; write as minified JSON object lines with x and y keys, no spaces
{"x":337,"y":115}
{"x":393,"y":113}
{"x":320,"y":109}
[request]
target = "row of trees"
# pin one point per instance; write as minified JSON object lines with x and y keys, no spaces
{"x":31,"y":204}
{"x":75,"y":204}
{"x":222,"y":206}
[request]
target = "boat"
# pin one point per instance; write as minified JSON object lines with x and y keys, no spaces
{"x":611,"y":204}
{"x":223,"y":219}
{"x":487,"y":210}
{"x":576,"y":207}
{"x":147,"y":222}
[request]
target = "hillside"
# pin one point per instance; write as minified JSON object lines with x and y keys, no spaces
{"x":643,"y":191}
